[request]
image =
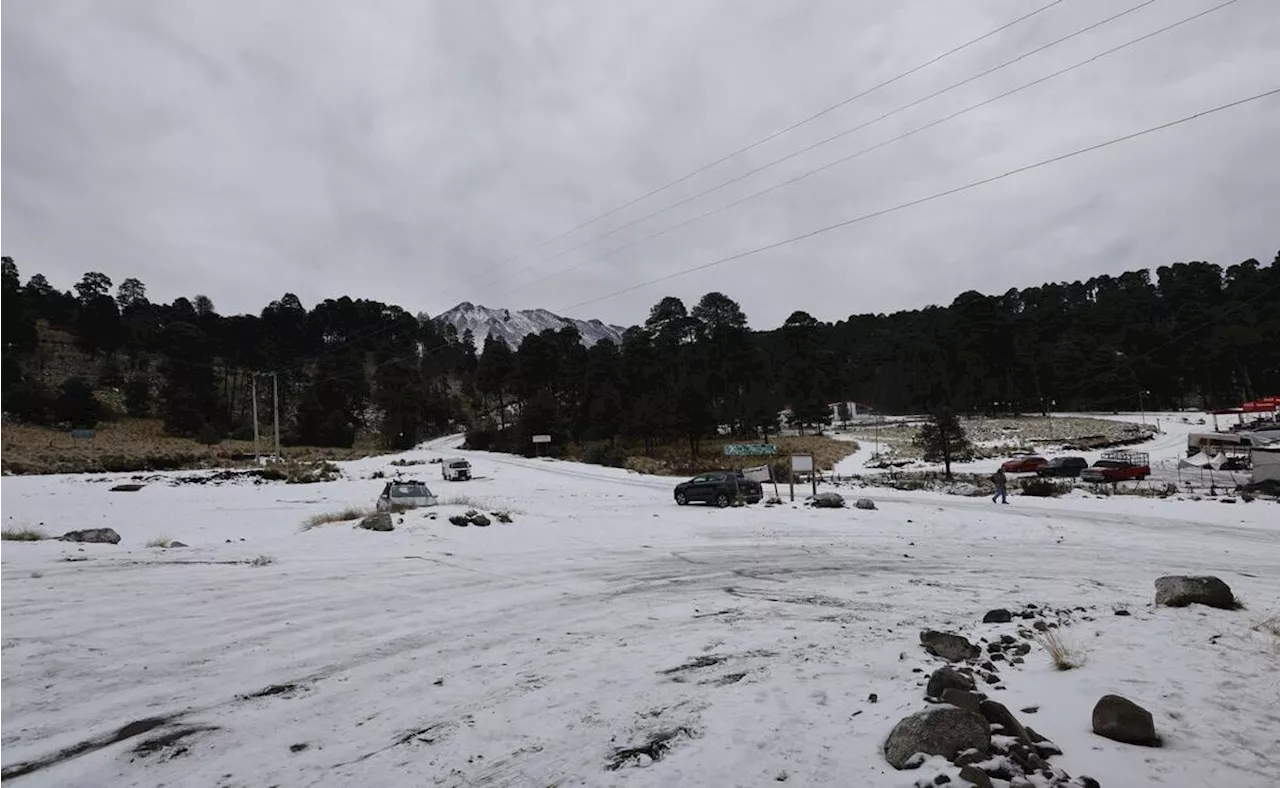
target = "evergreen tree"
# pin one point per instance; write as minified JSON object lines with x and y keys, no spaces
{"x":943,"y":439}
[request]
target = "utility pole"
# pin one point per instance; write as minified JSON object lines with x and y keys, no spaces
{"x":275,"y":406}
{"x":257,"y":453}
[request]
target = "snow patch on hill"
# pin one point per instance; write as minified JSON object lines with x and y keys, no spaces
{"x":514,"y":326}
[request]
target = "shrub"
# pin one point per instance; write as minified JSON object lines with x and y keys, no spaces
{"x":1043,"y":488}
{"x":407,"y":463}
{"x":162,"y":541}
{"x":301,"y":472}
{"x":604,"y":453}
{"x":338,"y":516}
{"x":262,"y":560}
{"x":23,"y":535}
{"x":1064,"y":655}
{"x":209,"y":435}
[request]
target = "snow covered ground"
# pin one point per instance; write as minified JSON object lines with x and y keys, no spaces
{"x":603,"y":618}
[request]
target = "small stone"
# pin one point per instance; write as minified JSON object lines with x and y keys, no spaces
{"x":1017,"y":660}
{"x":949,"y":646}
{"x":1122,"y":720}
{"x":1040,"y":626}
{"x":994,"y":648}
{"x":1030,"y":709}
{"x":988,"y":666}
{"x":1123,"y":613}
{"x":997,"y":657}
{"x":947,"y":678}
{"x":178,"y":544}
{"x":379,"y":521}
{"x":1089,"y":782}
{"x":1022,"y":649}
{"x":991,"y":678}
{"x":941,"y":779}
{"x":873,"y":698}
{"x":997,"y":616}
{"x":298,"y":747}
{"x":999,"y":714}
{"x":965,"y":699}
{"x":975,"y":776}
{"x":866,"y":503}
{"x":969,"y":757}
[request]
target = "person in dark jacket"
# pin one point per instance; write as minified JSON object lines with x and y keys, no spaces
{"x":1001,"y":481}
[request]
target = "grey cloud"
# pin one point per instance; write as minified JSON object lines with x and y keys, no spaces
{"x":398,"y":150}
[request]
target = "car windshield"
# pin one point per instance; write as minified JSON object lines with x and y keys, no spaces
{"x":409,"y":491}
{"x":459,"y":464}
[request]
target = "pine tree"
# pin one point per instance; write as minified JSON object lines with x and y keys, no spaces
{"x":943,"y":439}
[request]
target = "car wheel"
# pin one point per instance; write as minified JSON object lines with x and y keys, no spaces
{"x":681,"y":498}
{"x":722,"y":500}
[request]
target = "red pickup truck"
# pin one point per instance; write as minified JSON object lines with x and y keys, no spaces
{"x":1118,"y":466}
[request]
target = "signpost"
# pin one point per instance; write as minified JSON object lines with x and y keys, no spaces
{"x":539,"y":441}
{"x":802,"y":463}
{"x":762,"y":474}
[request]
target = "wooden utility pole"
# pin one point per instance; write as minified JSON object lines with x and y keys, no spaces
{"x":257,"y":453}
{"x":275,"y":403}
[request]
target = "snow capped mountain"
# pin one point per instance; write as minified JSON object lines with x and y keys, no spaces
{"x":515,"y":326}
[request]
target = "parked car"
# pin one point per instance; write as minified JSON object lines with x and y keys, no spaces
{"x":405,"y":495}
{"x":719,"y":488}
{"x":455,"y":469}
{"x":1069,"y":467}
{"x":1028,"y":464}
{"x":1118,"y":466}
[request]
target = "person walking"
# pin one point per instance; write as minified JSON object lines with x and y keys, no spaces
{"x":1001,"y":482}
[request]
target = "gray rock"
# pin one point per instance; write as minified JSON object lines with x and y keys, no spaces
{"x":178,"y":544}
{"x":965,"y":699}
{"x":379,"y":521}
{"x":946,"y":678}
{"x":975,"y":776}
{"x":1122,"y":720}
{"x":997,"y":616}
{"x":949,"y":646}
{"x":1183,"y":590}
{"x":999,"y":714}
{"x":940,"y":730}
{"x":95,"y":535}
{"x":827,"y":500}
{"x":865,"y":503}
{"x":127,"y":488}
{"x":479,"y":520}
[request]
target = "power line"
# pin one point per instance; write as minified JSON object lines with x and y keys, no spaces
{"x":774,"y":135}
{"x":839,"y":135}
{"x":870,"y":149}
{"x":930,"y":198}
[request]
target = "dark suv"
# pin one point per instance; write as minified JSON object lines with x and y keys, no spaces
{"x":719,"y":488}
{"x":1063,"y":466}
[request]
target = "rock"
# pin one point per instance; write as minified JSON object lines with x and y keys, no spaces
{"x":127,"y":488}
{"x":1183,"y":590}
{"x":1022,"y":649}
{"x":94,"y":535}
{"x":941,"y":779}
{"x":460,"y":519}
{"x":873,"y":698}
{"x":1030,"y":709}
{"x":965,"y":699}
{"x":975,"y":776}
{"x":949,"y":646}
{"x":379,"y":521}
{"x":941,"y":730}
{"x":998,"y":714}
{"x":1008,"y":640}
{"x":866,"y":503}
{"x":827,"y":500}
{"x":1040,"y":626}
{"x":1123,"y":613}
{"x":998,"y":616}
{"x":994,"y":648}
{"x":1122,"y":720}
{"x":178,"y":544}
{"x":946,"y":678}
{"x":969,"y":757}
{"x":988,"y":666}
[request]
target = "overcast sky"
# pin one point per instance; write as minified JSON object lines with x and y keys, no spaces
{"x":402,"y":150}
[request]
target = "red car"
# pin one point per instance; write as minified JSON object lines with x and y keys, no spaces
{"x":1118,"y":466}
{"x":1029,"y":464}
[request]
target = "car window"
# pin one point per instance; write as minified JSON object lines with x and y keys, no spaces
{"x":698,"y":480}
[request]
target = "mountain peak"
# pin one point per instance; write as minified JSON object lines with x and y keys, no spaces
{"x":513,"y":326}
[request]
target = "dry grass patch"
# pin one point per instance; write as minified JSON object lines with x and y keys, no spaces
{"x":675,"y":459}
{"x":162,"y":541}
{"x":23,"y":535}
{"x":337,"y":516}
{"x":1064,"y":654}
{"x":130,"y":444}
{"x":262,"y":560}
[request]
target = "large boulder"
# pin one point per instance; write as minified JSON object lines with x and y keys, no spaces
{"x":1123,"y":720}
{"x":1183,"y":590}
{"x":827,"y":500}
{"x":997,"y":616}
{"x":96,"y":535}
{"x":999,"y":714}
{"x":946,"y":678}
{"x":949,"y":646}
{"x":379,"y":521}
{"x":865,"y":503}
{"x":940,"y":730}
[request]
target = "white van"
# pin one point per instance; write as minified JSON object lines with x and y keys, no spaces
{"x":455,"y":469}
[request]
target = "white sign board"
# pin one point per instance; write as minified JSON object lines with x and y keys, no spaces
{"x":759,"y":473}
{"x":802,"y":463}
{"x":541,"y":438}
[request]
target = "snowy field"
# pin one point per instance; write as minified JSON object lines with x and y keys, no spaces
{"x":604,"y":617}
